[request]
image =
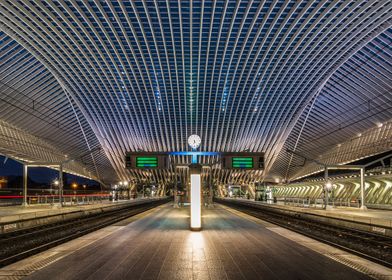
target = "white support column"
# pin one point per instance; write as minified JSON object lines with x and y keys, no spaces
{"x":325,"y":187}
{"x":363,"y":206}
{"x":61,"y":185}
{"x":25,"y":174}
{"x":210,"y":198}
{"x":195,"y":174}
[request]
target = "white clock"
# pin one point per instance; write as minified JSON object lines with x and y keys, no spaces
{"x":194,"y":141}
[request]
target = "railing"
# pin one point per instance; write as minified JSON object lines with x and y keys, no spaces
{"x":310,"y":202}
{"x":68,"y":199}
{"x":318,"y":202}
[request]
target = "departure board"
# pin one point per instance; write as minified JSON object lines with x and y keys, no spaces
{"x":242,"y":162}
{"x":147,"y":162}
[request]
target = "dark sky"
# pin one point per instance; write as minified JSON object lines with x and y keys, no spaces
{"x":10,"y":167}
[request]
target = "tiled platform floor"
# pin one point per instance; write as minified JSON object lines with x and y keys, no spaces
{"x":160,"y":246}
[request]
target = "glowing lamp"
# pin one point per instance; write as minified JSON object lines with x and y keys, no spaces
{"x":195,"y":171}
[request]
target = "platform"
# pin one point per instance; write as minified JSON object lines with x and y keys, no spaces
{"x":18,"y":217}
{"x":10,"y":213}
{"x":160,"y":245}
{"x":378,"y":218}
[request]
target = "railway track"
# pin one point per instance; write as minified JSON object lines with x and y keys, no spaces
{"x":21,"y":244}
{"x":374,"y":247}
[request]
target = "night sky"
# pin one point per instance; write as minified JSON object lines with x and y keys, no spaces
{"x":9,"y":167}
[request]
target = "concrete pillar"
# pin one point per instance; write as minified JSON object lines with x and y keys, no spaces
{"x":363,"y":207}
{"x":325,"y":187}
{"x":61,"y":185}
{"x":25,"y":174}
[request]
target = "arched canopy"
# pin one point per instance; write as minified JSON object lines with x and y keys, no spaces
{"x":260,"y":76}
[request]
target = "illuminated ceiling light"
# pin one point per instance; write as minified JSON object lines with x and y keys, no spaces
{"x":195,"y":197}
{"x":379,"y":125}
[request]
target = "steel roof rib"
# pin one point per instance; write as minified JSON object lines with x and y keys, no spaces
{"x":134,"y":126}
{"x":122,"y":129}
{"x":212,"y":137}
{"x":164,"y":125}
{"x":202,"y":132}
{"x":169,"y":109}
{"x":224,"y":109}
{"x":236,"y":66}
{"x":310,"y":60}
{"x":46,"y":58}
{"x":133,"y":72}
{"x":365,"y":102}
{"x":255,"y":76}
{"x":154,"y":146}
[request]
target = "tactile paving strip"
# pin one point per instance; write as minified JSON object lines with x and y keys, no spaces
{"x":19,"y":274}
{"x":357,"y":266}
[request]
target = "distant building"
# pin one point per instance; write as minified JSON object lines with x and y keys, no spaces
{"x":3,"y":182}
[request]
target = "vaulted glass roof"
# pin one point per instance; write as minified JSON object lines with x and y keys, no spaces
{"x":244,"y":75}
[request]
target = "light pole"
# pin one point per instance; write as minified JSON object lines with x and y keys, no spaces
{"x":56,"y":184}
{"x":114,"y":193}
{"x":126,"y":183}
{"x":74,"y":187}
{"x":51,"y":187}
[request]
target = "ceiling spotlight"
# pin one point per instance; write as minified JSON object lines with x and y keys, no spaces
{"x":379,"y":125}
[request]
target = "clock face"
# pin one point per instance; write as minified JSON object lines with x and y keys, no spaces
{"x":194,"y":141}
